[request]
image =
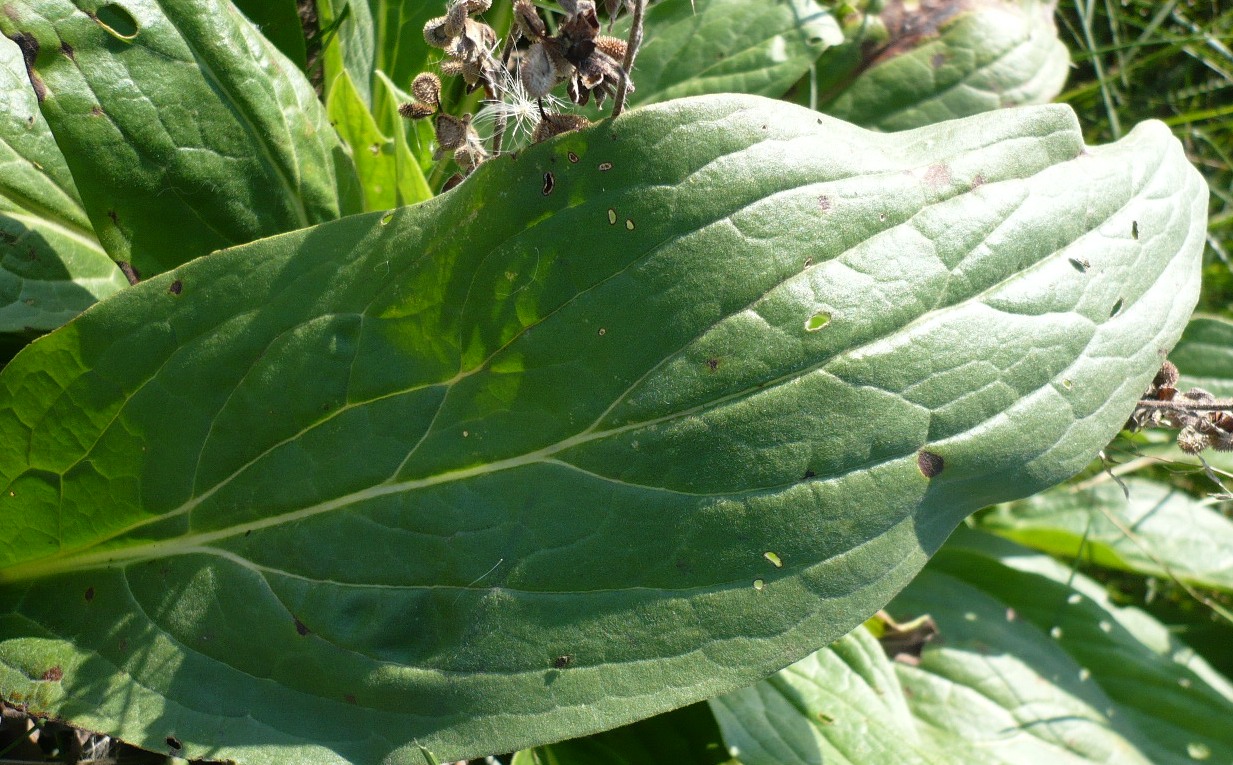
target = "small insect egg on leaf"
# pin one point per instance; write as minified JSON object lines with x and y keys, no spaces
{"x":612,"y":216}
{"x":629,"y":224}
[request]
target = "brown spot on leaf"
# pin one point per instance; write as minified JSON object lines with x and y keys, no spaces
{"x":30,"y":53}
{"x":809,"y":474}
{"x":712,"y":364}
{"x":96,"y":111}
{"x":824,"y":203}
{"x":605,"y":167}
{"x":572,"y":157}
{"x":978,"y":181}
{"x":67,"y":50}
{"x":89,"y":594}
{"x":53,"y":675}
{"x":301,"y":628}
{"x":563,"y":661}
{"x":550,"y":183}
{"x":174,"y":742}
{"x":930,"y":464}
{"x":176,"y":287}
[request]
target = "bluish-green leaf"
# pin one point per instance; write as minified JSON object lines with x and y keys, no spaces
{"x":185,"y":130}
{"x":51,"y":265}
{"x":936,"y":61}
{"x":1142,"y":526}
{"x":346,"y":492}
{"x":1030,"y":665}
{"x":729,"y":46}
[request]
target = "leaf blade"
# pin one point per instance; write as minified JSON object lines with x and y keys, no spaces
{"x":538,"y":379}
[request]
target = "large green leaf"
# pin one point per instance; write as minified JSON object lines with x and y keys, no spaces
{"x":627,"y":421}
{"x":931,"y":62}
{"x":1030,"y":665}
{"x":720,"y":46}
{"x":374,"y":156}
{"x":51,"y":265}
{"x":350,"y":44}
{"x":1141,"y":526}
{"x":279,"y":22}
{"x":186,"y":131}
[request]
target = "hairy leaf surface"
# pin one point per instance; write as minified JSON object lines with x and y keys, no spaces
{"x":629,"y":420}
{"x":51,"y":264}
{"x":186,"y":131}
{"x":1029,"y":666}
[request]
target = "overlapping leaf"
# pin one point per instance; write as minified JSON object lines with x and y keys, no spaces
{"x":632,"y":419}
{"x":931,"y":62}
{"x":1204,"y":355}
{"x":185,"y":130}
{"x":1031,"y":665}
{"x":1141,"y":526}
{"x":51,"y":265}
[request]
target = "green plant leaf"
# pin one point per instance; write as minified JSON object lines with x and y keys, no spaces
{"x":400,"y":50}
{"x":185,"y":130}
{"x":279,"y":22}
{"x":1204,"y":355}
{"x":372,"y":152}
{"x":1025,"y":669}
{"x":410,"y":165}
{"x":687,"y":736}
{"x":350,"y":44}
{"x":51,"y":265}
{"x":945,"y":60}
{"x":358,"y":488}
{"x":694,"y":47}
{"x":1158,"y":531}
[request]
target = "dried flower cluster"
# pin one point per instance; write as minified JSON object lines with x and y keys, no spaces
{"x":517,"y":82}
{"x":1203,"y":421}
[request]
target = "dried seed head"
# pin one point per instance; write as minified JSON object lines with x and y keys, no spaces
{"x":538,"y":73}
{"x":455,"y":18}
{"x":435,"y":34}
{"x":478,"y":6}
{"x":527,"y":21}
{"x":611,"y":46}
{"x":469,"y":157}
{"x":451,"y":132}
{"x":426,"y":88}
{"x":451,"y":182}
{"x":416,"y":111}
{"x":556,"y":124}
{"x":1191,"y":441}
{"x":1167,"y":376}
{"x":576,"y":7}
{"x":1198,"y":394}
{"x":1223,"y":442}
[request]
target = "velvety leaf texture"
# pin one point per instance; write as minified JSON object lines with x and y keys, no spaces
{"x":186,"y":131}
{"x":632,"y":419}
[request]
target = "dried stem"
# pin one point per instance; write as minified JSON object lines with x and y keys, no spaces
{"x":631,"y":51}
{"x":1217,"y":405}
